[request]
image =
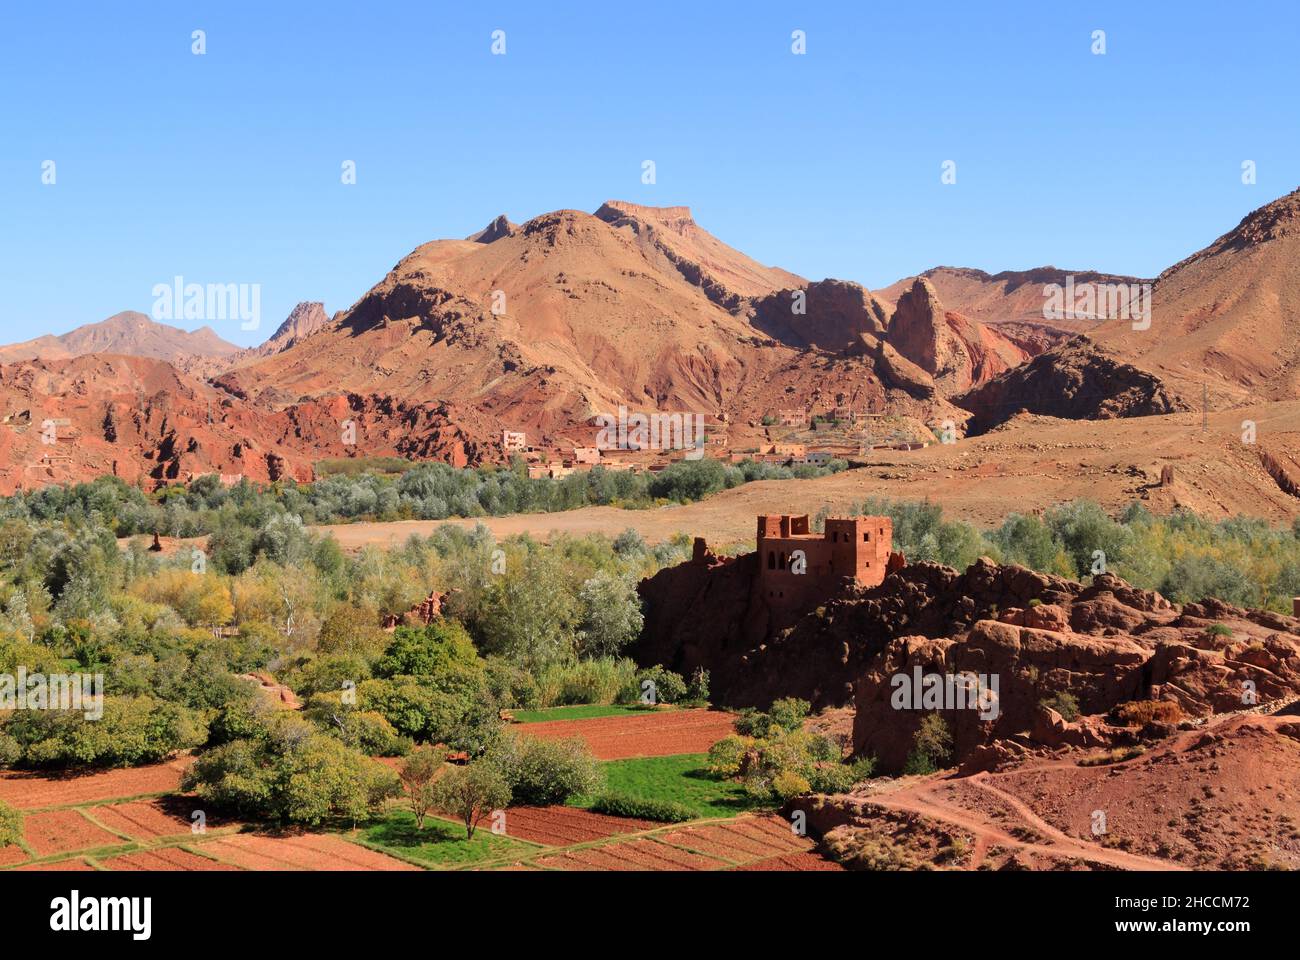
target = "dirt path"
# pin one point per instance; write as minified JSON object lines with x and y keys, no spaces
{"x":919,"y":798}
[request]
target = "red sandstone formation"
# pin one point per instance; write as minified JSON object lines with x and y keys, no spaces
{"x":422,"y":614}
{"x":1104,"y":644}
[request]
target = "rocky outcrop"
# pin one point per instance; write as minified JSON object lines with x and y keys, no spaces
{"x":1031,"y":636}
{"x":1078,"y":381}
{"x":956,"y":351}
{"x":828,"y":314}
{"x":498,"y":228}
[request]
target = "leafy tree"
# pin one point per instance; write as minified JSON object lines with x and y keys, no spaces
{"x":429,"y":650}
{"x":472,"y":792}
{"x":931,"y":746}
{"x":419,"y":774}
{"x":610,"y":615}
{"x":526,"y":617}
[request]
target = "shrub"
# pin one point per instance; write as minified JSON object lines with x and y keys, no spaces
{"x":511,"y":686}
{"x":1218,"y":630}
{"x":11,"y":825}
{"x":725,"y":756}
{"x":133,"y":730}
{"x":1064,"y":703}
{"x":429,"y":650}
{"x":789,"y":784}
{"x":789,"y":712}
{"x":293,"y":774}
{"x":642,"y":808}
{"x":841,"y":777}
{"x":542,"y":772}
{"x":602,"y":680}
{"x":1138,"y":713}
{"x":1117,"y":755}
{"x":657,"y":684}
{"x":364,"y":730}
{"x":327,"y":672}
{"x":931,"y":746}
{"x":697,"y":690}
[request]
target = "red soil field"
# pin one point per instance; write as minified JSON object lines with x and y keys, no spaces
{"x":742,"y":841}
{"x":299,"y":852}
{"x":168,"y":858}
{"x":151,"y":819}
{"x":562,"y":826}
{"x":12,"y":854}
{"x":58,"y":831}
{"x":641,"y":854}
{"x":653,"y":734}
{"x":749,"y":843}
{"x":32,"y":790}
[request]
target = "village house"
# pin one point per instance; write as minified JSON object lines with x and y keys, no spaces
{"x":513,"y":441}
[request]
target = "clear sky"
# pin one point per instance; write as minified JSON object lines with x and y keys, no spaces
{"x":226,"y":167}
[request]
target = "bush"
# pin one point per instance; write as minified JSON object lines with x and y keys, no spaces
{"x":931,"y":746}
{"x":697,"y":691}
{"x":511,"y":686}
{"x":1066,"y":704}
{"x":725,"y":756}
{"x":425,"y":651}
{"x":789,"y":784}
{"x":655,"y":685}
{"x":11,"y":825}
{"x":542,"y":772}
{"x":1138,"y":713}
{"x":642,"y":808}
{"x":789,"y":713}
{"x":830,"y":777}
{"x":602,"y":680}
{"x":293,"y":774}
{"x":133,"y":730}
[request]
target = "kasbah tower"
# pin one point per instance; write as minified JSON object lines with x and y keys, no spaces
{"x":798,"y":569}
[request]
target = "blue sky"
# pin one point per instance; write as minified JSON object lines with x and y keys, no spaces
{"x":225,"y":168}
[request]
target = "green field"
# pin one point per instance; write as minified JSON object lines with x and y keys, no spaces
{"x":441,"y":843}
{"x":682,"y":779}
{"x":583,"y":711}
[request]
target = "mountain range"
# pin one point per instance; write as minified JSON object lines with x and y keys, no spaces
{"x":543,"y":325}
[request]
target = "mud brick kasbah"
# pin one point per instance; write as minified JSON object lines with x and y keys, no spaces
{"x":799,"y":568}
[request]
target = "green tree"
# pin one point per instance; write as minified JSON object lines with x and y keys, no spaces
{"x":419,"y":774}
{"x":472,"y":792}
{"x":610,"y":615}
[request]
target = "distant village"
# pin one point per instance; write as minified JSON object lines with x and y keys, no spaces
{"x":793,"y":437}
